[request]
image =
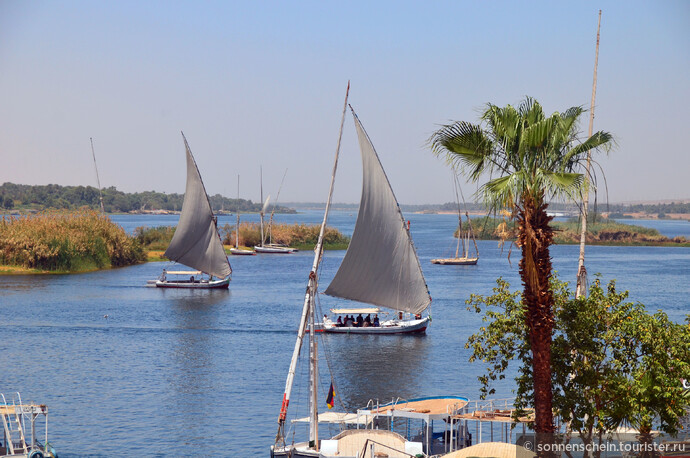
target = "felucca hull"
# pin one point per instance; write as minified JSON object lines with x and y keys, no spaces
{"x":456,"y":261}
{"x":273,"y":250}
{"x":401,"y":327}
{"x":186,"y":284}
{"x":238,"y":252}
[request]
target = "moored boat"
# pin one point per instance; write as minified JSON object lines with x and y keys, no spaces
{"x":20,"y":440}
{"x":463,"y":238}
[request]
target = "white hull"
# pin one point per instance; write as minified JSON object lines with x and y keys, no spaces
{"x":238,"y":252}
{"x":387,"y":327}
{"x":274,"y":250}
{"x":186,"y":284}
{"x":456,"y":261}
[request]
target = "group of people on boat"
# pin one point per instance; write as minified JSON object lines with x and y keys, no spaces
{"x":360,"y":322}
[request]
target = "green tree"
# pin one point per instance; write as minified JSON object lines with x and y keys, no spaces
{"x":535,"y":158}
{"x":613,"y":362}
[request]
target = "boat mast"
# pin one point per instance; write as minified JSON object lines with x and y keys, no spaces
{"x":460,"y":234}
{"x":98,"y":180}
{"x":270,"y":221}
{"x":308,"y":307}
{"x":237,"y":228}
{"x":581,"y":271}
{"x":261,"y":183}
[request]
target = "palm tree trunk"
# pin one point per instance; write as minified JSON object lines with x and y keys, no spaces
{"x":534,"y":237}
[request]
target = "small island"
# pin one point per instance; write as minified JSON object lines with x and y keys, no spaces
{"x":602,"y":231}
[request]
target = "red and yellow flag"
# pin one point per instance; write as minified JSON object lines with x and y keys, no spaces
{"x":330,"y":400}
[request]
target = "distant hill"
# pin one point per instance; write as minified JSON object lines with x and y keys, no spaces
{"x":53,"y":196}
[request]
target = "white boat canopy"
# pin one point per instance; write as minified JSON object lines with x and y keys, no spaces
{"x":339,"y":417}
{"x":361,"y":310}
{"x":183,"y":272}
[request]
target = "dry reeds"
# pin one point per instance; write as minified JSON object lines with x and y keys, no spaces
{"x":66,"y":241}
{"x":294,"y":235}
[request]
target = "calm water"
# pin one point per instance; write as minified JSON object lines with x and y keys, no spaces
{"x":194,"y":373}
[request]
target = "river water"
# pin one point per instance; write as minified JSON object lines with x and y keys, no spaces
{"x":196,"y":373}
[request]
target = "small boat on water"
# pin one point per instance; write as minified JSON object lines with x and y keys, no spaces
{"x":463,"y":238}
{"x":270,"y":248}
{"x":22,"y":431}
{"x":196,"y":242}
{"x":237,"y":251}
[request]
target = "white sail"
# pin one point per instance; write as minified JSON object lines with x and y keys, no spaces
{"x":381,"y":266}
{"x":196,"y":242}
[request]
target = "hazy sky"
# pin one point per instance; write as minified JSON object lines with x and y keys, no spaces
{"x":262,"y":83}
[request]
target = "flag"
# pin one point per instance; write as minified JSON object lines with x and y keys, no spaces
{"x":330,"y":400}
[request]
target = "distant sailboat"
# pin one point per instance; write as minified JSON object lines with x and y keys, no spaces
{"x":237,"y":250}
{"x":463,"y":238}
{"x":269,"y":248}
{"x":380,"y":267}
{"x":196,"y":242}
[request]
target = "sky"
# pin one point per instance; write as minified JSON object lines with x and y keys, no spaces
{"x":260,"y":85}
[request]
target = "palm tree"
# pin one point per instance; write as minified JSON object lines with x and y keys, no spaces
{"x":529,"y":158}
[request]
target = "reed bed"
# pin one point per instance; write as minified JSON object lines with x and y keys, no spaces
{"x":300,"y":236}
{"x":154,"y":238}
{"x":66,"y":242}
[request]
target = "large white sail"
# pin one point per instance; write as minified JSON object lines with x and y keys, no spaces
{"x":196,"y":242}
{"x":381,"y":266}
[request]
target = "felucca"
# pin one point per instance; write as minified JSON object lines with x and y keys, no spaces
{"x":196,"y":242}
{"x":237,"y":250}
{"x":381,"y":268}
{"x":463,"y":237}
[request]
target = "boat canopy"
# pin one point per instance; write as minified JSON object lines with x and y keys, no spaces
{"x":380,"y":266}
{"x":183,"y":272}
{"x":196,"y":242}
{"x":362,"y":310}
{"x":339,"y":418}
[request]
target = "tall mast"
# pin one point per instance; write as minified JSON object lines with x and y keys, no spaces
{"x":270,"y":221}
{"x":457,"y":202}
{"x":581,"y":271}
{"x":237,"y":228}
{"x":308,"y":310}
{"x":98,"y":180}
{"x":261,"y":183}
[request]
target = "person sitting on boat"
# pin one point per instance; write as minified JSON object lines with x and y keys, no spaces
{"x":339,"y":323}
{"x":162,"y":277}
{"x":349,"y":321}
{"x":367,"y":320}
{"x":376,"y":321}
{"x":360,"y":321}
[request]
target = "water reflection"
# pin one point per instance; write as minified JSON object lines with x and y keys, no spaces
{"x":195,"y":317}
{"x":378,"y":367}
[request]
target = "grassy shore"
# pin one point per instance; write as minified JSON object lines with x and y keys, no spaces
{"x":155,"y":240}
{"x":600,"y":232}
{"x":65,"y":242}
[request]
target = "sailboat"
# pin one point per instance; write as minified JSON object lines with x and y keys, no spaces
{"x":237,"y":250}
{"x":270,"y":248}
{"x":196,"y":242}
{"x":463,"y":237}
{"x":389,"y":275}
{"x":380,"y":267}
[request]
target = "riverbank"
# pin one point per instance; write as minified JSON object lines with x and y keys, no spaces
{"x":603,"y":232}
